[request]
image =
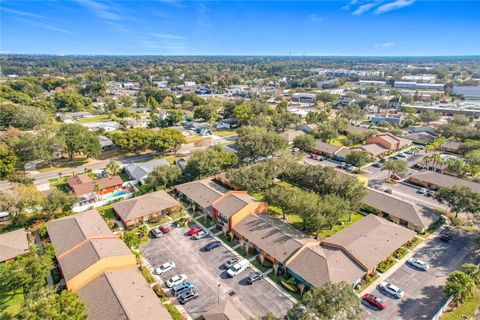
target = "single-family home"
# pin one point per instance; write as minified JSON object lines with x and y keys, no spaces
{"x":307,"y":128}
{"x":201,"y":194}
{"x":69,"y":117}
{"x":344,"y":101}
{"x":435,"y":180}
{"x":99,"y":267}
{"x":135,"y":210}
{"x":421,"y":137}
{"x":106,"y":126}
{"x":227,"y":124}
{"x":289,"y":136}
{"x":413,"y":216}
{"x":87,"y":189}
{"x":13,"y":244}
{"x":106,"y":143}
{"x":139,"y":171}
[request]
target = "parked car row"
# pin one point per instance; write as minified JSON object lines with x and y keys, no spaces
{"x":157,"y":232}
{"x":391,"y":289}
{"x":180,"y":288}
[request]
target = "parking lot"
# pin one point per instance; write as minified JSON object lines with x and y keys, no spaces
{"x":205,"y":271}
{"x":424,"y":289}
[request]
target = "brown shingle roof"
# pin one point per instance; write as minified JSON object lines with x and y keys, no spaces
{"x":203,"y":192}
{"x":147,"y":204}
{"x":327,"y":148}
{"x":291,"y":135}
{"x":232,"y":202}
{"x":444,"y":180}
{"x":320,"y":265}
{"x":374,"y":149}
{"x":277,"y":238}
{"x":121,"y":295}
{"x":89,"y":253}
{"x":67,"y":232}
{"x":13,"y":244}
{"x":224,"y":311}
{"x":417,"y":215}
{"x":371,"y":239}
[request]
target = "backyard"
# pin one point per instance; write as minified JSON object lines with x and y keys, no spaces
{"x":10,"y":303}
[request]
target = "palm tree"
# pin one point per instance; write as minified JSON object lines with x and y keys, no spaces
{"x":415,"y":151}
{"x":436,"y":160}
{"x":451,"y":164}
{"x":426,"y":160}
{"x":475,"y":170}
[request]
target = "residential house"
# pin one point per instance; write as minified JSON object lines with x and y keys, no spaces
{"x":196,"y":125}
{"x":324,"y":148}
{"x":140,"y":171}
{"x":13,"y":244}
{"x":370,"y":240}
{"x":426,"y":129}
{"x":227,"y":124}
{"x":69,"y":117}
{"x":307,"y":128}
{"x":86,"y":189}
{"x":138,"y":122}
{"x":138,"y":209}
{"x":435,"y":180}
{"x":410,"y":215}
{"x":100,"y":268}
{"x":392,"y":120}
{"x":395,"y":102}
{"x":224,"y":311}
{"x":451,"y":146}
{"x":106,"y":143}
{"x":276,"y":240}
{"x":106,"y":126}
{"x":289,"y":136}
{"x":304,"y":97}
{"x":344,"y":101}
{"x":389,"y":141}
{"x":232,"y":207}
{"x":201,"y":194}
{"x":421,"y":137}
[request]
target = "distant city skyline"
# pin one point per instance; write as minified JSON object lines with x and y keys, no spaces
{"x":297,"y":28}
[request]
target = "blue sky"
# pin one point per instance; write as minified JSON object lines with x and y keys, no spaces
{"x":170,"y":27}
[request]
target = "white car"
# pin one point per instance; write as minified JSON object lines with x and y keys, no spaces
{"x":176,"y":280}
{"x":167,"y":266}
{"x":417,"y":263}
{"x":391,"y":289}
{"x":422,"y":191}
{"x":202,"y":234}
{"x":238,"y":267}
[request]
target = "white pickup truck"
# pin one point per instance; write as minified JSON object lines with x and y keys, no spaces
{"x":238,"y":267}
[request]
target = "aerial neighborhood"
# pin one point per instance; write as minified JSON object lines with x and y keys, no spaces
{"x":233,"y":188}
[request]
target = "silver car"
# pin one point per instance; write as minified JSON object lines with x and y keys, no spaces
{"x":391,"y":289}
{"x":419,"y":264}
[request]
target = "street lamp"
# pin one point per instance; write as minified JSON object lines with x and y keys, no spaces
{"x":218,"y":294}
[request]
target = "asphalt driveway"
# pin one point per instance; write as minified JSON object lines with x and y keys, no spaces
{"x":205,"y":271}
{"x":424,"y":290}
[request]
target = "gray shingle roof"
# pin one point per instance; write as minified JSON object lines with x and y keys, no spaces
{"x":139,"y":171}
{"x":444,"y":180}
{"x":371,"y":239}
{"x":147,"y":204}
{"x":419,"y":216}
{"x":232,"y":203}
{"x":203,"y":192}
{"x":13,"y":244}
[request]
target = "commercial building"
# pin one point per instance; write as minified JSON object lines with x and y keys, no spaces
{"x":434,"y":180}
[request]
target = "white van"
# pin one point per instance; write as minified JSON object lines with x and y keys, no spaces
{"x":238,"y":267}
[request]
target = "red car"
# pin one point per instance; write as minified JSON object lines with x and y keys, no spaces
{"x":395,"y":177}
{"x":164,"y":229}
{"x":374,"y":301}
{"x":194,"y":231}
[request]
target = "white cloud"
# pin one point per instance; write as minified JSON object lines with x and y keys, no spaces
{"x":365,"y":7}
{"x":101,"y":9}
{"x":315,"y":17}
{"x":166,"y":36}
{"x":384,"y":45}
{"x":22,"y":13}
{"x":395,"y":5}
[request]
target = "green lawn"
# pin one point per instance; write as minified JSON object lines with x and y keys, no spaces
{"x":59,"y":183}
{"x":338,"y":141}
{"x":124,"y":176}
{"x":107,"y":212}
{"x":10,"y":303}
{"x":64,"y":164}
{"x":100,"y":117}
{"x":296,"y":221}
{"x":224,"y":132}
{"x":468,"y":309}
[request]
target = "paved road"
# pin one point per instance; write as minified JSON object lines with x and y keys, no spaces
{"x":44,"y":177}
{"x":424,"y":290}
{"x":205,"y":271}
